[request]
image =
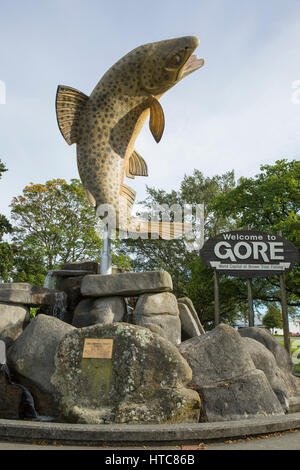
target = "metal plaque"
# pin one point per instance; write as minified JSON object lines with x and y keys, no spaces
{"x":97,"y":348}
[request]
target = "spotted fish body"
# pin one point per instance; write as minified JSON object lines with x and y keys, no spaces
{"x":105,"y":125}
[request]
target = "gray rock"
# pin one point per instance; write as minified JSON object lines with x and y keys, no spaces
{"x":168,"y":324}
{"x":164,"y":303}
{"x":188,"y":325}
{"x":218,"y":355}
{"x":264,"y":360}
{"x":117,"y":270}
{"x":189,"y":304}
{"x":2,"y":352}
{"x":156,"y":329}
{"x":126,"y":284}
{"x":92,"y":266}
{"x":143,"y":382}
{"x":68,"y":273}
{"x":242,"y":397}
{"x":280,"y":354}
{"x":294,"y":404}
{"x":10,"y":398}
{"x":31,"y":357}
{"x":226,"y":378}
{"x":264,"y":337}
{"x":102,"y":310}
{"x":13,"y":319}
{"x":159,"y":310}
{"x":71,"y":286}
{"x":26,"y":294}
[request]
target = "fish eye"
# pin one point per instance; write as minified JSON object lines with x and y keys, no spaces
{"x":176,"y":60}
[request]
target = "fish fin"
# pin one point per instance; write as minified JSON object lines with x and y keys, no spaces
{"x":128,"y":193}
{"x":162,"y":230}
{"x":157,"y":118}
{"x":69,"y":105}
{"x":136,"y":166}
{"x":90,"y":197}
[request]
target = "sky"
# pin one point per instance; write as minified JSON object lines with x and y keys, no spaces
{"x":237,"y":112}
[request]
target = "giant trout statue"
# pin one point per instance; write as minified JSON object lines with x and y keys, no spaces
{"x":105,"y":125}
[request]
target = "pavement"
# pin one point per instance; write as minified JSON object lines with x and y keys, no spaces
{"x":271,"y":432}
{"x":277,"y":441}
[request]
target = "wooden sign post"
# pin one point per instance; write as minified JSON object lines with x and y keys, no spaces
{"x":285,"y":316}
{"x":250,"y":303}
{"x":217,"y":298}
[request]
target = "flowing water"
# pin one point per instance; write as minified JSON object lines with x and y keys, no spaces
{"x":51,"y":280}
{"x":60,"y":306}
{"x":58,"y":309}
{"x":28,"y":408}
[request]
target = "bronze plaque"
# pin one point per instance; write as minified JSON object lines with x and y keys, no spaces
{"x":97,"y":348}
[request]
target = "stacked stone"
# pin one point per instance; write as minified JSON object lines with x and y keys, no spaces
{"x":163,"y":367}
{"x":156,"y":308}
{"x":15,"y":302}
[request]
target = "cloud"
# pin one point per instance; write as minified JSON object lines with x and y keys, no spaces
{"x":236,"y":112}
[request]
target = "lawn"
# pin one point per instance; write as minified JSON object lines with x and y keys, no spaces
{"x":295,"y":346}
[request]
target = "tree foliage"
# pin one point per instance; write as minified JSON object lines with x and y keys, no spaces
{"x":190,"y":276}
{"x":54,"y":224}
{"x":269,"y":201}
{"x":273,"y":317}
{"x":6,"y":252}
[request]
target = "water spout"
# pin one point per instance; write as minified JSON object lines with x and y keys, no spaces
{"x":50,"y":280}
{"x":28,"y":406}
{"x":59,"y":307}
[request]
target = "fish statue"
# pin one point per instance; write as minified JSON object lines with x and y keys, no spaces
{"x":105,"y":124}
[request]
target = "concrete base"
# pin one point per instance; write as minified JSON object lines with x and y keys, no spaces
{"x":81,"y":434}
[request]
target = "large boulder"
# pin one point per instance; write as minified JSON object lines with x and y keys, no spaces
{"x":192,"y":313}
{"x":13,"y":319}
{"x":71,"y":287}
{"x":277,"y":349}
{"x":264,"y":360}
{"x":103,"y":310}
{"x":91,"y":266}
{"x":282,"y":358}
{"x":31,"y":358}
{"x":26,"y":294}
{"x":142,"y":381}
{"x":10,"y":397}
{"x":126,"y":284}
{"x":2,"y":352}
{"x":159,"y":313}
{"x":225,"y":376}
{"x":189,"y":327}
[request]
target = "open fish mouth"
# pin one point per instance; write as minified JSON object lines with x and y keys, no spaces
{"x":192,"y":64}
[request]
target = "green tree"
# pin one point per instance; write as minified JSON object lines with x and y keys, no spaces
{"x":273,"y":317}
{"x":269,"y":201}
{"x":6,"y":251}
{"x":190,"y":276}
{"x":54,"y":224}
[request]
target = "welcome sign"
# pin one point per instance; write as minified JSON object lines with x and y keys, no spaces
{"x":249,"y":253}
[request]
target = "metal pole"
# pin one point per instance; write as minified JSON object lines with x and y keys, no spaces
{"x":217,"y":297}
{"x":106,"y":261}
{"x":250,"y":303}
{"x":285,"y":316}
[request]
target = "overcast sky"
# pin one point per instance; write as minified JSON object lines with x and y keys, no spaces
{"x":234,"y":113}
